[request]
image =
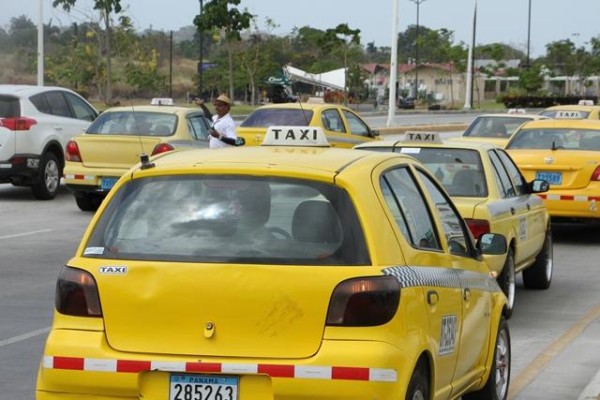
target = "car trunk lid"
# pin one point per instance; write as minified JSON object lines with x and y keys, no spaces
{"x":111,"y":151}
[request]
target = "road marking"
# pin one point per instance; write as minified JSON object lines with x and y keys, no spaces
{"x":24,"y":336}
{"x":535,"y":367}
{"x":25,"y":234}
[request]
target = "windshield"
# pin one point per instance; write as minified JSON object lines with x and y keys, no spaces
{"x":278,"y":116}
{"x":565,"y":138}
{"x":134,"y":123}
{"x":500,"y":127}
{"x":230,"y":219}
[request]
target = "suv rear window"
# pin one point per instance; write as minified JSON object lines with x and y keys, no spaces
{"x":10,"y":107}
{"x":277,"y":116}
{"x":231,"y":219}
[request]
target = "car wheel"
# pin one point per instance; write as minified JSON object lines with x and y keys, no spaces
{"x":506,"y":280}
{"x":496,"y":387}
{"x":539,"y":274}
{"x":87,"y":201}
{"x":46,"y":186}
{"x":418,"y":387}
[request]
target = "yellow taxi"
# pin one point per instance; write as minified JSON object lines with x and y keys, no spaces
{"x":492,"y":195}
{"x":288,"y":270}
{"x":566,"y":153}
{"x":585,"y":109}
{"x":112,"y":144}
{"x":497,"y":128}
{"x":342,"y":126}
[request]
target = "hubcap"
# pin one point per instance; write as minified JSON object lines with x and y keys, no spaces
{"x":418,"y":395}
{"x":549,"y":258}
{"x":502,"y":364}
{"x":51,"y":176}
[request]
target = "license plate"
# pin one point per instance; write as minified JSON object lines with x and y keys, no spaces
{"x":107,"y":183}
{"x":553,"y":178}
{"x":203,"y":387}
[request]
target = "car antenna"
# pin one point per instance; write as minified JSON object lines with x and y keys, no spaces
{"x":299,"y":99}
{"x":144,"y":158}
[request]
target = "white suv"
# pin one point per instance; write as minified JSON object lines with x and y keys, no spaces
{"x":36,"y":122}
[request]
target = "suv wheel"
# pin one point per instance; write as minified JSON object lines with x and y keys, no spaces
{"x":46,"y":186}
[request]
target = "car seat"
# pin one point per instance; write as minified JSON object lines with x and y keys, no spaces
{"x":315,"y":221}
{"x":468,"y":182}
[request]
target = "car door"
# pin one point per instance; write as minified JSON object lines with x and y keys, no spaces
{"x":472,"y":329}
{"x":528,"y":211}
{"x":432,"y":265}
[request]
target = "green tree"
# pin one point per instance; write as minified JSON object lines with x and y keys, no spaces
{"x":106,"y":7}
{"x":221,"y":15}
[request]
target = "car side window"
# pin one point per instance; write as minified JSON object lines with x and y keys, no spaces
{"x":502,"y":179}
{"x":456,"y":234}
{"x":514,"y":173}
{"x":81,"y":109}
{"x":409,"y":209}
{"x":356,"y":126}
{"x":41,"y":103}
{"x":332,"y":120}
{"x":197,"y":128}
{"x":58,"y":104}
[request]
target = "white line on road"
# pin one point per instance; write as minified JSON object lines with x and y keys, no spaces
{"x":24,"y":336}
{"x":25,"y":234}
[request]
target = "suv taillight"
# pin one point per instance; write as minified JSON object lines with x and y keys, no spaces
{"x":162,"y":148}
{"x":596,"y":174}
{"x":478,"y":226}
{"x":17,"y":123}
{"x":77,"y":294}
{"x":72,"y":151}
{"x":368,"y":301}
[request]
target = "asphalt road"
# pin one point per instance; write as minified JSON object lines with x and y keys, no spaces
{"x":555,"y":333}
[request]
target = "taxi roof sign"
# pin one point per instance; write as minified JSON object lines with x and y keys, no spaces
{"x":422,"y":137}
{"x":162,"y":101}
{"x":568,"y":114}
{"x":516,"y":111}
{"x":312,"y":136}
{"x":586,"y":102}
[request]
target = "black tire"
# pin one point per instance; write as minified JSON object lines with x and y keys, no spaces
{"x":507,"y":282}
{"x":539,"y":274}
{"x":496,"y":386}
{"x":87,"y":201}
{"x":48,"y":182}
{"x":418,"y":387}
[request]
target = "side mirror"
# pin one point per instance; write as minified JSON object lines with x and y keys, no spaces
{"x":539,"y":186}
{"x":492,"y":244}
{"x":375,"y":132}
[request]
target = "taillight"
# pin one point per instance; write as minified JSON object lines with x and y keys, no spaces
{"x":17,"y":123}
{"x":162,"y":148}
{"x":77,"y":294}
{"x":72,"y":151}
{"x":596,"y":174}
{"x":478,"y":226}
{"x":368,"y":301}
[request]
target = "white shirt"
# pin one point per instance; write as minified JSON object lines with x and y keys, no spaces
{"x":224,"y":125}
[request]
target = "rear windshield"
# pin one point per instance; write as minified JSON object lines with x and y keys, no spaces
{"x":499,"y":127}
{"x":9,"y":107}
{"x":278,"y":116}
{"x":232,"y":219}
{"x":568,"y":139}
{"x":134,"y":123}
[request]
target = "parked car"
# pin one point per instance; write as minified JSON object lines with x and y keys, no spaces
{"x":97,"y":158}
{"x":36,"y":122}
{"x":289,"y":270}
{"x":492,"y":195}
{"x":566,"y":153}
{"x":342,"y":126}
{"x":406,"y":103}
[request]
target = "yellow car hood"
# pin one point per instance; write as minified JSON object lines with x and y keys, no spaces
{"x":216,"y":309}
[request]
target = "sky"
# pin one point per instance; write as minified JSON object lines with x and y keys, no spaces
{"x":498,"y":21}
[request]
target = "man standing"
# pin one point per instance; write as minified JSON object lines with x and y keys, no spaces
{"x":222,"y":133}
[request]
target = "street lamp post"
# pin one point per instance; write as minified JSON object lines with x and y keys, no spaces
{"x":418,"y":3}
{"x":201,"y":61}
{"x":528,"y":35}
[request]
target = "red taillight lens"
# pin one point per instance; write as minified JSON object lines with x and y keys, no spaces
{"x":17,"y":123}
{"x":72,"y":152}
{"x":596,"y":174}
{"x":77,"y":294}
{"x":368,"y":301}
{"x":162,"y":148}
{"x":478,"y":226}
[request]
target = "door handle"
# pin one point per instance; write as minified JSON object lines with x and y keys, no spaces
{"x":528,"y":207}
{"x":432,"y":297}
{"x":467,"y":294}
{"x":512,"y":210}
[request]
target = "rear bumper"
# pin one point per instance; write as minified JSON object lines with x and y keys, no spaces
{"x":21,"y":168}
{"x":79,"y":179}
{"x":572,"y":204}
{"x":80,"y":364}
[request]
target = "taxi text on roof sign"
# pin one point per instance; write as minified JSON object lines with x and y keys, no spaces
{"x":565,"y":114}
{"x":421,"y":137}
{"x":295,"y":136}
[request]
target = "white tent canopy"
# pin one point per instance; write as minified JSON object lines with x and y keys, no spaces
{"x":335,"y":79}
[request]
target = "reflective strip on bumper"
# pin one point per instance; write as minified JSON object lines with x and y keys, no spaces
{"x":274,"y":370}
{"x":568,"y":197}
{"x":81,"y":177}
